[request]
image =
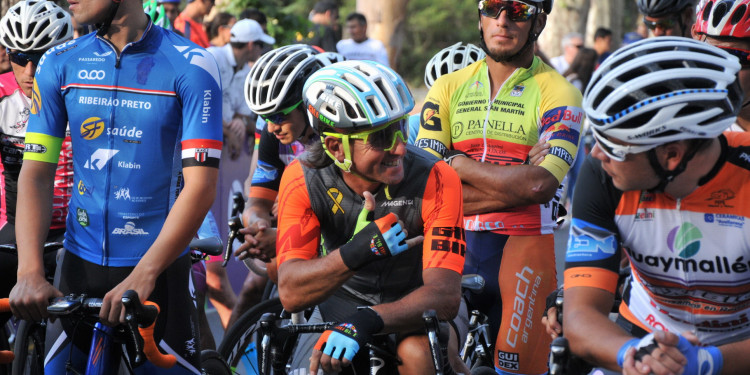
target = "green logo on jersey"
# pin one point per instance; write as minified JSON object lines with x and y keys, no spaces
{"x":83,"y":217}
{"x":685,"y":240}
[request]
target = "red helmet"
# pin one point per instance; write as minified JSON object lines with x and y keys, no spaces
{"x":728,"y":18}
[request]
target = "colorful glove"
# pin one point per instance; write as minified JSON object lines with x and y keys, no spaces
{"x":344,"y":340}
{"x":374,"y":240}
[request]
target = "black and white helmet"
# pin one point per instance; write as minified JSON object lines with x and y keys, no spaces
{"x":660,"y":90}
{"x":661,"y":8}
{"x":275,"y":81}
{"x":35,"y":25}
{"x":450,"y":59}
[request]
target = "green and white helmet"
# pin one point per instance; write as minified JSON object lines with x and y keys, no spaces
{"x":157,"y":14}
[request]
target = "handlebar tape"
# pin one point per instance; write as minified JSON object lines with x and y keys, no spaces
{"x":150,"y":349}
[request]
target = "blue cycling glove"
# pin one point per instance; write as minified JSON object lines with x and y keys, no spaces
{"x":702,"y":360}
{"x":373,"y":240}
{"x":345,"y":339}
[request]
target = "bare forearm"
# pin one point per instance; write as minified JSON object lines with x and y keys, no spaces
{"x":477,"y":202}
{"x":736,"y":360}
{"x":441,"y":292}
{"x":592,"y":336}
{"x":305,"y":283}
{"x":258,"y":209}
{"x":33,"y":214}
{"x":516,"y":185}
{"x":182,"y":223}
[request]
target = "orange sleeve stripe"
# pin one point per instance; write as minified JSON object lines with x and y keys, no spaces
{"x":298,"y":234}
{"x":444,"y":243}
{"x":628,"y":315}
{"x":591,"y":277}
{"x":263,"y":193}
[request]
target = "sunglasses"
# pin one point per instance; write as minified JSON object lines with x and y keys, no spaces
{"x":23,"y":58}
{"x":741,"y":54}
{"x":279,"y":117}
{"x":666,"y":23}
{"x":616,"y":151}
{"x":516,"y":11}
{"x":383,"y":137}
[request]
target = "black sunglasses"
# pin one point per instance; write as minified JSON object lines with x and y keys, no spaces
{"x":23,"y":58}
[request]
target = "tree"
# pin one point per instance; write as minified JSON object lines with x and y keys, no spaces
{"x":386,"y":22}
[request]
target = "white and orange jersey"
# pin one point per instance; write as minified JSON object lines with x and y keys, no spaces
{"x":690,"y":257}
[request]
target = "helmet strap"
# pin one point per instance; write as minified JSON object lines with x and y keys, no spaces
{"x":104,"y":26}
{"x":345,"y":165}
{"x":665,"y":176}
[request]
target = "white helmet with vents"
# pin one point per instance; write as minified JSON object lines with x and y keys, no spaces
{"x":355,"y":95}
{"x":450,"y":59}
{"x":34,"y":25}
{"x":660,"y":90}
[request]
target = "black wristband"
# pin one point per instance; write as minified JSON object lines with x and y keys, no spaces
{"x":366,"y":246}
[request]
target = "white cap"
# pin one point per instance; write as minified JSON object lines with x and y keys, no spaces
{"x":247,"y":30}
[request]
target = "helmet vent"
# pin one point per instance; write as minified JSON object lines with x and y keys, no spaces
{"x":707,"y":11}
{"x":738,"y":14}
{"x":379,"y":84}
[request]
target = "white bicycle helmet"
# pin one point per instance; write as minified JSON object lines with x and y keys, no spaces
{"x":275,"y":81}
{"x":35,"y":25}
{"x":450,"y":59}
{"x":664,"y":89}
{"x":661,"y":8}
{"x":356,"y":94}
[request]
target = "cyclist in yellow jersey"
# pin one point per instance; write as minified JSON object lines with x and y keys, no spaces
{"x":493,"y":112}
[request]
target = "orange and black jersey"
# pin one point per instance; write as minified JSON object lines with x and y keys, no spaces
{"x":318,"y":210}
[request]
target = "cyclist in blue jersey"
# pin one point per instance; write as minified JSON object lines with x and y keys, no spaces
{"x":144,"y":106}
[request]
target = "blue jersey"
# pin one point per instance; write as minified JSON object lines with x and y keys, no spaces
{"x":135,"y":120}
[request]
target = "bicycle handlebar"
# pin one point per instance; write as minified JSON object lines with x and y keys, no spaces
{"x":6,"y":356}
{"x":139,"y":324}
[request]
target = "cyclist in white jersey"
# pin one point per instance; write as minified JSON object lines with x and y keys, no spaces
{"x":665,"y":187}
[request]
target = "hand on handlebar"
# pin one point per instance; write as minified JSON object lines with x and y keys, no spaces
{"x":30,"y":297}
{"x":112,"y":312}
{"x":337,"y":346}
{"x":260,"y":240}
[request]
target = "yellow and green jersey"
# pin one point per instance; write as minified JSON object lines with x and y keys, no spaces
{"x":533,"y":104}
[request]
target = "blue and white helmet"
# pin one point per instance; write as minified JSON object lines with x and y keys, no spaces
{"x":356,"y":95}
{"x":664,"y":89}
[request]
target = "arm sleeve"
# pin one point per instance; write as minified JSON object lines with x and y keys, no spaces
{"x":561,"y":121}
{"x":434,"y":123}
{"x":298,"y":234}
{"x":593,"y":255}
{"x":200,"y":92}
{"x":444,"y":243}
{"x":48,"y":119}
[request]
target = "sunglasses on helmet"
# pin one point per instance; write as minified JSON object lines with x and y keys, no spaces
{"x":516,"y":11}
